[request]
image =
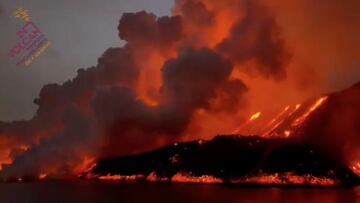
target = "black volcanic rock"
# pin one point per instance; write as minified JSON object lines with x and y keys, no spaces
{"x":231,"y":157}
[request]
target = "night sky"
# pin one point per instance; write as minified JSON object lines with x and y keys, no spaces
{"x":79,"y":31}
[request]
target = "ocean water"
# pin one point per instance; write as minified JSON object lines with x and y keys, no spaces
{"x":67,"y":192}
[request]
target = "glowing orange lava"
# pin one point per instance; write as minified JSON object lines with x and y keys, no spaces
{"x":315,"y":106}
{"x":42,"y":176}
{"x":24,"y":147}
{"x":278,"y":116}
{"x":86,"y":165}
{"x":255,"y":116}
{"x":186,"y":178}
{"x":152,"y":177}
{"x":355,"y":167}
{"x":109,"y":177}
{"x":118,"y":178}
{"x":286,"y":179}
{"x":287,"y":133}
{"x":261,"y":179}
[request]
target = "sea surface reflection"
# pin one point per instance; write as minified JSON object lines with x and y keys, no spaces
{"x":54,"y":192}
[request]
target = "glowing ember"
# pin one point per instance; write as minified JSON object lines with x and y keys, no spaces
{"x":109,"y":177}
{"x":186,"y":178}
{"x":255,"y":116}
{"x":152,"y":177}
{"x":118,"y":178}
{"x":261,"y":179}
{"x":42,"y":176}
{"x":287,"y":133}
{"x":24,"y":147}
{"x":356,"y":168}
{"x":286,"y":179}
{"x":252,"y":118}
{"x":86,"y":165}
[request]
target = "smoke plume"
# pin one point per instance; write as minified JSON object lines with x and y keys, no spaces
{"x":174,"y":74}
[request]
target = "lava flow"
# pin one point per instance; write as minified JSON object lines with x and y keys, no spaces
{"x":292,"y":158}
{"x":247,"y":123}
{"x":284,"y":123}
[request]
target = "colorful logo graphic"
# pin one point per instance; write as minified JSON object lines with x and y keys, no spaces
{"x":32,"y":42}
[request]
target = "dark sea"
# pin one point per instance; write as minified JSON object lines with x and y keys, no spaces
{"x":64,"y":192}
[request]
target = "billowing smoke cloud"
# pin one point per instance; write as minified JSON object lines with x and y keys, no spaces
{"x":257,"y":38}
{"x":144,"y":28}
{"x":324,"y":39}
{"x":230,"y":97}
{"x":52,"y":134}
{"x":110,"y":109}
{"x":189,"y":82}
{"x":197,"y":14}
{"x":192,"y":79}
{"x":59,"y":154}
